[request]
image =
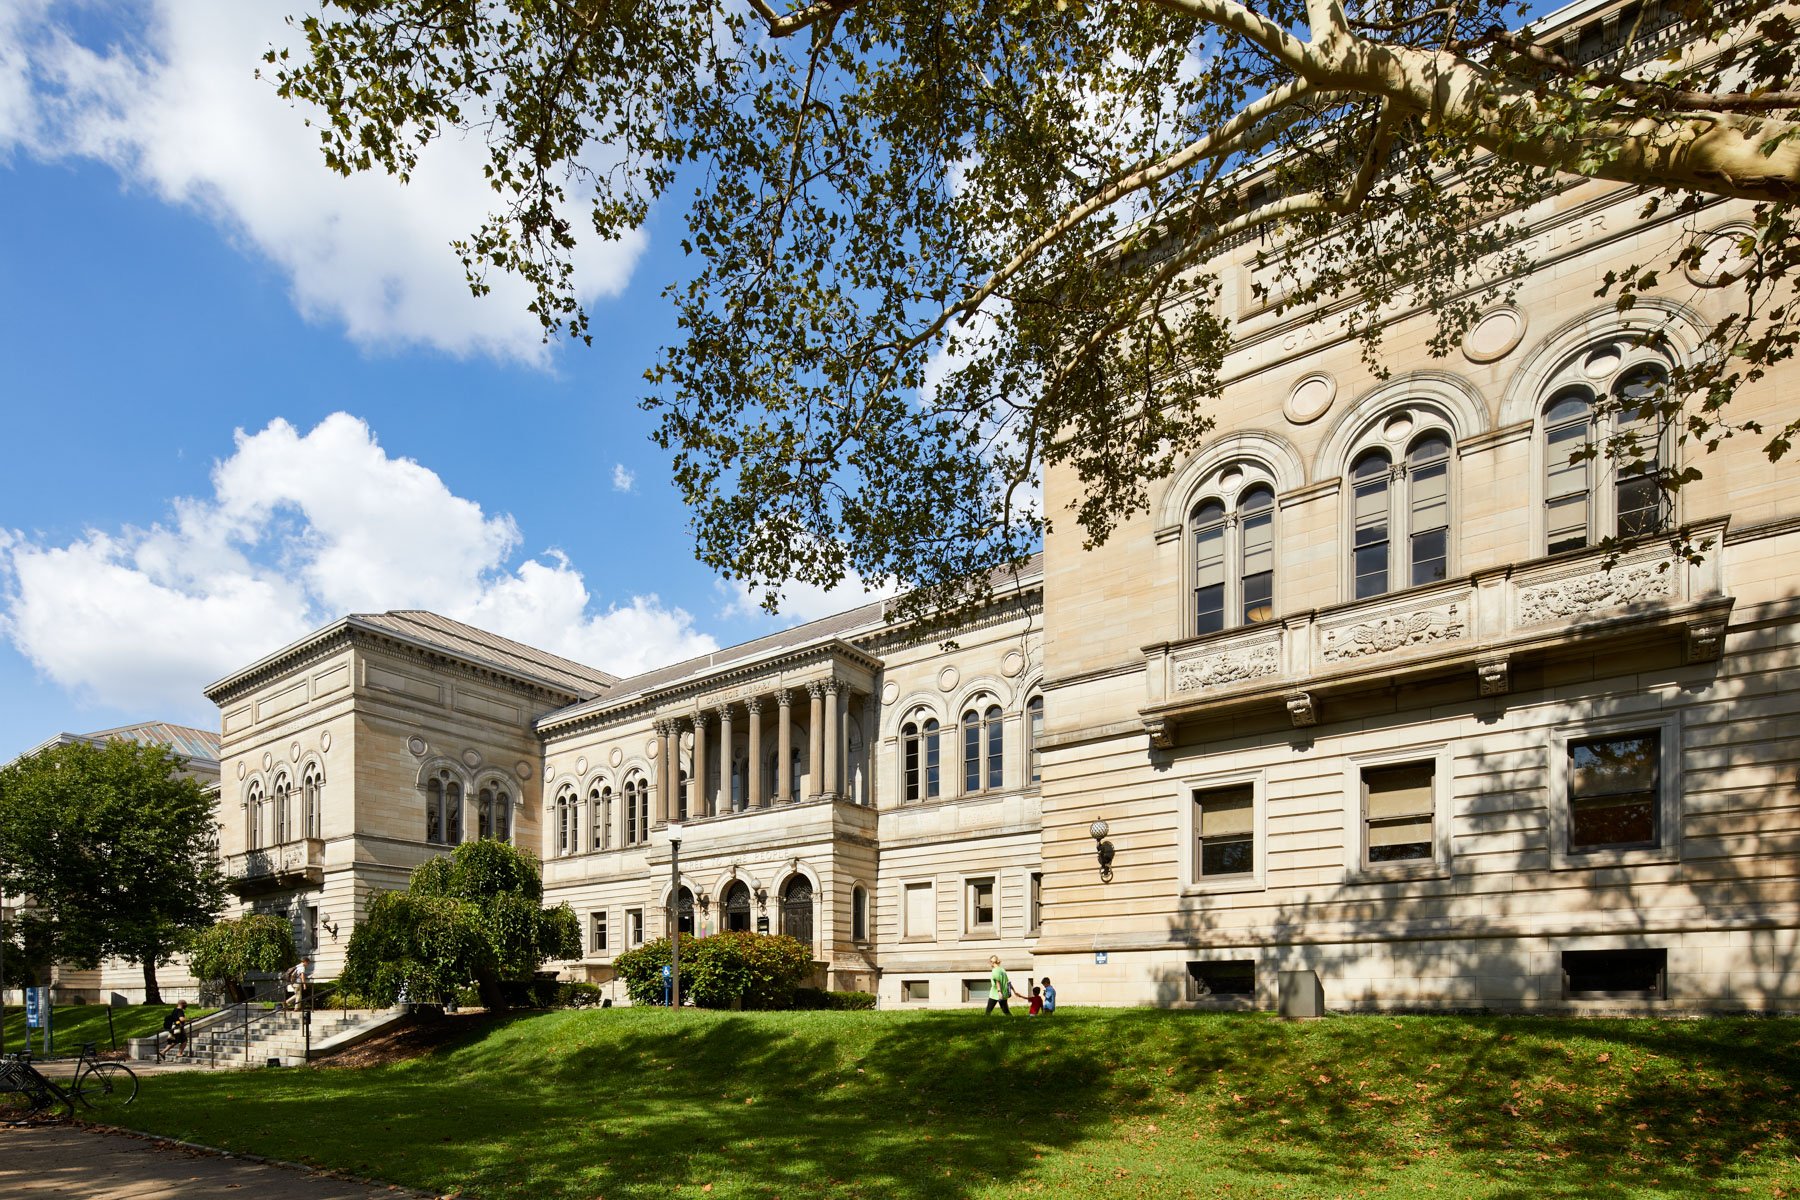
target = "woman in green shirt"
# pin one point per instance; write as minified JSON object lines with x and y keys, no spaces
{"x":1000,"y":987}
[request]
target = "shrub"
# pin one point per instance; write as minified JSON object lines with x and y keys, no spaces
{"x":812,"y":998}
{"x":233,"y":949}
{"x":751,"y":969}
{"x":570,"y":995}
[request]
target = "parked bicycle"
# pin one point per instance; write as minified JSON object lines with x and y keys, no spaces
{"x":101,"y":1087}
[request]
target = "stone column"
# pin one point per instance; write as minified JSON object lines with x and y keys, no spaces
{"x":754,"y":796}
{"x":697,"y":782}
{"x":725,"y":751}
{"x":784,"y":746}
{"x":815,"y":741}
{"x":666,"y":773}
{"x":830,"y":782}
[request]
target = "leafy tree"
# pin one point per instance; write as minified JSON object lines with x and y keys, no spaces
{"x":116,"y":848}
{"x":475,"y":917}
{"x":1012,"y":208}
{"x":233,"y":949}
{"x":751,"y":969}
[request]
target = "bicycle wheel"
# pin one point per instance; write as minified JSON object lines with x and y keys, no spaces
{"x":107,"y":1086}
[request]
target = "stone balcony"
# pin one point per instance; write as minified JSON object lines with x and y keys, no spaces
{"x":277,"y":868}
{"x":1485,"y":624}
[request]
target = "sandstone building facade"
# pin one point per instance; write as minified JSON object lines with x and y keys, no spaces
{"x":1361,"y":695}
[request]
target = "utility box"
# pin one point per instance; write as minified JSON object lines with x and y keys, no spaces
{"x":1302,"y":995}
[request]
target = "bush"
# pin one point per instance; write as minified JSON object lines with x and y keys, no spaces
{"x":753,"y":970}
{"x":233,"y":949}
{"x":816,"y":998}
{"x":575,"y":995}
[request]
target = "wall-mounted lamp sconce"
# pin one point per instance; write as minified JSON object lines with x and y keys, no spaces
{"x":762,"y":896}
{"x":1103,"y":850}
{"x":329,"y":926}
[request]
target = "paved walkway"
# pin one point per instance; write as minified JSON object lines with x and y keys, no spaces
{"x":70,"y":1163}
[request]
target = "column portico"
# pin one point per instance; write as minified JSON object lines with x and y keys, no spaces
{"x":754,"y":796}
{"x":697,"y":805}
{"x":722,"y":803}
{"x":831,"y":782}
{"x":815,"y":742}
{"x":784,"y":745}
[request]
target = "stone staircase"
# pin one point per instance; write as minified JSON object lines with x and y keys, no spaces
{"x":250,"y":1036}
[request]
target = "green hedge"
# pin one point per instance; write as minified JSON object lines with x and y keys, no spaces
{"x":809,"y":997}
{"x":752,"y":970}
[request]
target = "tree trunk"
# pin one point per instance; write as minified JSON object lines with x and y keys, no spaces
{"x":152,"y":993}
{"x":488,"y":985}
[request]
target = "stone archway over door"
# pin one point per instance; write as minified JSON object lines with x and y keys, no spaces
{"x":797,"y":909}
{"x":737,"y":908}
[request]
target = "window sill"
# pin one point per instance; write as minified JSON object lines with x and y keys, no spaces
{"x":1641,"y":856}
{"x":1224,"y":885}
{"x":1404,"y":873}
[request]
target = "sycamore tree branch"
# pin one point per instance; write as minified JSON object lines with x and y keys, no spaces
{"x":787,"y":24}
{"x":1639,"y":89}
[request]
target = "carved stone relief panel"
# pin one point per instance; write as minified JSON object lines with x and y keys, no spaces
{"x":1579,"y":595}
{"x":1225,"y":667}
{"x":1395,"y":631}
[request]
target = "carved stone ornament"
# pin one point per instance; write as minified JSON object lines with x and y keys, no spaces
{"x":471,"y":758}
{"x":1161,"y":731}
{"x":522,"y":770}
{"x":243,"y":768}
{"x":416,"y":746}
{"x":268,"y":760}
{"x":1301,"y":710}
{"x":1495,"y":675}
{"x":1012,"y":664}
{"x":581,"y":765}
{"x":1395,"y":631}
{"x":1591,"y":593}
{"x":1704,"y":641}
{"x":294,"y":752}
{"x":325,"y":741}
{"x":616,"y":757}
{"x":1232,"y":666}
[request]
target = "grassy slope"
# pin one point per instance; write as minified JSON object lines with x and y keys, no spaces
{"x":74,"y":1024}
{"x":624,"y":1103}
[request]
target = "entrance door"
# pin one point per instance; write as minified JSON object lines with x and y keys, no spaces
{"x":797,"y":910}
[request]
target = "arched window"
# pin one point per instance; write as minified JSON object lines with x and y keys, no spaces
{"x":920,"y":761}
{"x":600,"y":800}
{"x":453,"y":812}
{"x":434,"y":809}
{"x":253,"y":815}
{"x":493,"y":813}
{"x":684,"y":911}
{"x":279,"y":796}
{"x":983,"y":749}
{"x":1580,"y":430}
{"x":1233,"y":547}
{"x":1034,"y":733}
{"x":312,"y":788}
{"x":859,"y":914}
{"x":567,"y":821}
{"x":484,"y":814}
{"x":736,"y":906}
{"x":1400,"y":515}
{"x":797,"y":909}
{"x":502,"y":815}
{"x":637,"y":810}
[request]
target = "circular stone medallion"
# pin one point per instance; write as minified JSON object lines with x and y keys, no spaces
{"x":1722,"y":259}
{"x":417,"y":746}
{"x":471,"y":759}
{"x":1311,"y":398}
{"x":616,"y":757}
{"x":1398,"y":426}
{"x":1602,"y":362}
{"x":268,"y":760}
{"x":581,"y":765}
{"x":294,"y":752}
{"x":243,"y":768}
{"x":1494,"y":335}
{"x":522,"y":769}
{"x":549,"y":772}
{"x":947,"y":678}
{"x":890,"y":692}
{"x":325,"y":741}
{"x":650,"y":748}
{"x":1012,"y":664}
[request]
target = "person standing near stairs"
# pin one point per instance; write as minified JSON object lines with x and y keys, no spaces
{"x":298,"y":978}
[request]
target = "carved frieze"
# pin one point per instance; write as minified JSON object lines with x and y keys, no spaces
{"x":1395,"y":631}
{"x":1228,"y":667}
{"x":1582,"y":594}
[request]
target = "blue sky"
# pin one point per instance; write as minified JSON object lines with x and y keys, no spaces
{"x":243,"y":396}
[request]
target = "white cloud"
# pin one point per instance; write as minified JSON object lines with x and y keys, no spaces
{"x":623,"y":480}
{"x":177,"y":109}
{"x":299,"y":529}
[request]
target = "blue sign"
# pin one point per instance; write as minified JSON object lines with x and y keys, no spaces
{"x":33,"y":1014}
{"x":668,"y":971}
{"x":1099,"y":958}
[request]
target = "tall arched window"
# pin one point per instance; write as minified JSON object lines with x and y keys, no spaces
{"x":1233,"y":547}
{"x":453,"y":813}
{"x":279,"y":796}
{"x":1400,"y":515}
{"x":600,"y":799}
{"x":567,"y":821}
{"x":736,"y":906}
{"x":637,"y":810}
{"x":1586,"y":438}
{"x":312,"y":789}
{"x":1034,"y":734}
{"x":253,"y":815}
{"x":859,"y":914}
{"x":797,"y":909}
{"x":982,"y":745}
{"x":684,"y":911}
{"x":920,"y":762}
{"x":502,"y":815}
{"x":493,"y":813}
{"x":434,"y":809}
{"x":484,"y":814}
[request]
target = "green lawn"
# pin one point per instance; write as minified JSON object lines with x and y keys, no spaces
{"x":639,"y":1103}
{"x":73,"y":1024}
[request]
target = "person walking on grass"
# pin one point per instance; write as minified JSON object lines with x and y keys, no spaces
{"x":1000,"y":987}
{"x":1049,"y":997}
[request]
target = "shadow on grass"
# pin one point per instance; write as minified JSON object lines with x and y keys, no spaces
{"x":949,"y":1105}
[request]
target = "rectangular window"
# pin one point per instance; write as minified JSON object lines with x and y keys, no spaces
{"x":981,"y":906}
{"x":1615,"y":974}
{"x":1209,"y":578}
{"x":1371,"y":544}
{"x":634,"y":925}
{"x":1234,"y":977}
{"x":920,"y":915}
{"x":1035,"y":709}
{"x":1034,"y":912}
{"x":915,"y":991}
{"x":975,"y":990}
{"x":1225,"y":831}
{"x":1259,"y":566}
{"x":1613,"y":792}
{"x":971,"y":739}
{"x":597,"y":933}
{"x":1399,"y":806}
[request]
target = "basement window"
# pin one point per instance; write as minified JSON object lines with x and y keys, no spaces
{"x":1232,"y":977}
{"x":1615,"y":974}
